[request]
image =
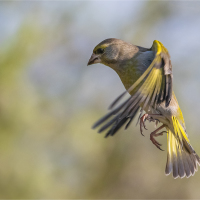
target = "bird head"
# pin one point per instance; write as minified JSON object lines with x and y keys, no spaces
{"x":107,"y":52}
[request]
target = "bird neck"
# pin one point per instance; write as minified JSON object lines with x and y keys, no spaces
{"x":129,"y":72}
{"x":131,"y":69}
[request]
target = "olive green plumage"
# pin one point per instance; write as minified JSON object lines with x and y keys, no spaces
{"x":146,"y":74}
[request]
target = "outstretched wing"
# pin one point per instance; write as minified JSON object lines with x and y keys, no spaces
{"x":151,"y":89}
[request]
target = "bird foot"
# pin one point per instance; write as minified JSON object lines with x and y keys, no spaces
{"x":155,"y":134}
{"x":143,"y":119}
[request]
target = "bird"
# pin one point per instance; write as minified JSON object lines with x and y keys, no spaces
{"x":146,"y":74}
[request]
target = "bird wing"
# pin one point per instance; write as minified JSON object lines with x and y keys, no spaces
{"x":155,"y":84}
{"x":152,"y":88}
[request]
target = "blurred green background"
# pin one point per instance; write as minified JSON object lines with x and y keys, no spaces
{"x":49,"y":99}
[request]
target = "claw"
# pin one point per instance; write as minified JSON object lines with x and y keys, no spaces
{"x":156,"y":144}
{"x":141,"y":130}
{"x":159,"y":148}
{"x":156,"y":123}
{"x":142,"y":122}
{"x":155,"y":134}
{"x":154,"y":141}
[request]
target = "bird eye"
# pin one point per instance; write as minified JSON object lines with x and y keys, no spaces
{"x":99,"y":51}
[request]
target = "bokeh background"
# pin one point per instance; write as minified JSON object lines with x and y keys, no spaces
{"x":49,"y":99}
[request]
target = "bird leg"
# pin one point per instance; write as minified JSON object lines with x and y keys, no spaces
{"x":155,"y":134}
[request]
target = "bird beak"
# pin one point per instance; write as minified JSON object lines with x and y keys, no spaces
{"x":94,"y":59}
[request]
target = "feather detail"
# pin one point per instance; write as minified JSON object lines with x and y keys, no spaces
{"x":182,"y":160}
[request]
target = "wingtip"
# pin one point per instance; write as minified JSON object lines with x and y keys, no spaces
{"x":94,"y":126}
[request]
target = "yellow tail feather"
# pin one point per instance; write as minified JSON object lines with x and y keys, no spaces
{"x":182,"y":160}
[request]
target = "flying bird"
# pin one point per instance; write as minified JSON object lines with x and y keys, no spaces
{"x":146,"y":74}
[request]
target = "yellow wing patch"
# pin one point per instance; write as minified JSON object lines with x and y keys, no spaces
{"x":158,"y":47}
{"x":179,"y":131}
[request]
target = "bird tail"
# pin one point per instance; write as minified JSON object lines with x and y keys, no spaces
{"x":182,"y":160}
